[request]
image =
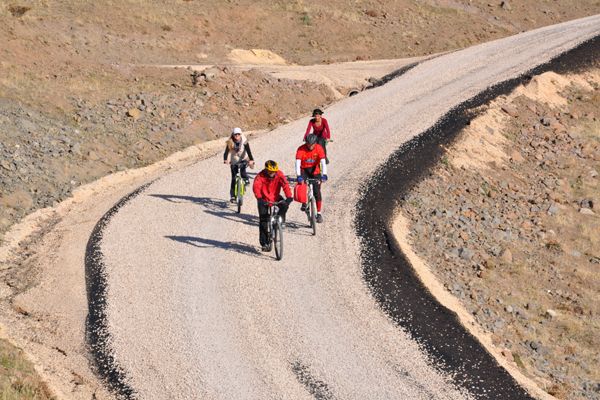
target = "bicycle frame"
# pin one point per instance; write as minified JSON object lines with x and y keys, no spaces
{"x":240,"y":187}
{"x":275,"y":233}
{"x":311,"y":204}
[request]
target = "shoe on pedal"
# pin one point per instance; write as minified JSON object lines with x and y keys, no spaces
{"x":246,"y":182}
{"x":233,"y":199}
{"x":303,"y":207}
{"x":319,"y":218}
{"x":266,"y":248}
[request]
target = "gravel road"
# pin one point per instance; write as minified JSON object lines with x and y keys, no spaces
{"x":194,"y":310}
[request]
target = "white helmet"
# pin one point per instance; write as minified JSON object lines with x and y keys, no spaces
{"x":235,"y":131}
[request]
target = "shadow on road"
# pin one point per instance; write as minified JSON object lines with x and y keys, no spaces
{"x":238,"y":247}
{"x":208,"y":202}
{"x":221,"y":208}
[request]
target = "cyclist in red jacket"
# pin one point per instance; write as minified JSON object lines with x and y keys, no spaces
{"x":267,"y":187}
{"x":320,"y":127}
{"x":310,"y":163}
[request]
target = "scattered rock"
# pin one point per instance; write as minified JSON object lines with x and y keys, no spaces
{"x":465,"y":253}
{"x":134,"y":113}
{"x":506,"y":256}
{"x":551,"y":314}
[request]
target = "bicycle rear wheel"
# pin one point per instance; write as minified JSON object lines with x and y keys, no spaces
{"x":313,"y":215}
{"x":278,"y":240}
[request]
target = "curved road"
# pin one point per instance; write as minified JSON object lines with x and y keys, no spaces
{"x":194,"y":310}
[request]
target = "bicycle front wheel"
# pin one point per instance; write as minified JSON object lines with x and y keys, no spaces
{"x":278,"y":240}
{"x":313,"y":216}
{"x":240,"y":195}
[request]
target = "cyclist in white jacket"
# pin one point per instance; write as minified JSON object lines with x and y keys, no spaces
{"x":238,"y":155}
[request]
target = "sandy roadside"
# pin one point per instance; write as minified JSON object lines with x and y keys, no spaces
{"x":47,"y":318}
{"x":44,"y":312}
{"x":478,"y":150}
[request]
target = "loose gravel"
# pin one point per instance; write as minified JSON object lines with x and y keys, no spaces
{"x":195,"y":310}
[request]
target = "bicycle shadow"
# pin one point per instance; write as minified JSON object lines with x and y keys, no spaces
{"x":238,"y":247}
{"x":207,"y":202}
{"x":221,"y":208}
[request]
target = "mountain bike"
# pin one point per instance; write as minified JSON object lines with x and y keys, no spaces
{"x":311,"y":204}
{"x":275,"y":229}
{"x":239,"y":189}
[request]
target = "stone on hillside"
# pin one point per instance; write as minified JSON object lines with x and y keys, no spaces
{"x":516,"y":156}
{"x":587,"y":203}
{"x":547,"y":121}
{"x":551,"y":313}
{"x":209,"y":74}
{"x":553,"y":209}
{"x":593,"y":173}
{"x":505,"y":5}
{"x":134,"y":113}
{"x":586,"y":211}
{"x":510,"y":110}
{"x":465,"y":253}
{"x":93,"y":156}
{"x":506,"y":256}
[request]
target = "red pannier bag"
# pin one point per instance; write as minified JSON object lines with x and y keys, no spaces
{"x":301,"y":192}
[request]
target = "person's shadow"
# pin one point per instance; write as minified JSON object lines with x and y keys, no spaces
{"x":238,"y":247}
{"x":219,"y":208}
{"x":207,"y":202}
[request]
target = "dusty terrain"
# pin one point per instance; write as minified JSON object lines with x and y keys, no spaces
{"x":247,"y":301}
{"x":71,"y":71}
{"x":509,"y":224}
{"x":72,"y":75}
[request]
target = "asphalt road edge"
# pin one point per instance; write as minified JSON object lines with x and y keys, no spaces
{"x":391,"y":278}
{"x":97,"y":334}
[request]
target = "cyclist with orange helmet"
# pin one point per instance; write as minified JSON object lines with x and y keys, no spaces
{"x":267,"y":189}
{"x":310,"y":163}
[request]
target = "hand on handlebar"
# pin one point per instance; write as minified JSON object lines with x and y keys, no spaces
{"x":289,"y":200}
{"x":226,"y":161}
{"x":251,"y":164}
{"x":324,"y":178}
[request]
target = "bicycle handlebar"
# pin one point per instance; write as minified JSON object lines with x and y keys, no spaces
{"x":273,"y":203}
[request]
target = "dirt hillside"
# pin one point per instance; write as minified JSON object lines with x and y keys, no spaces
{"x":509,"y":225}
{"x":79,"y":97}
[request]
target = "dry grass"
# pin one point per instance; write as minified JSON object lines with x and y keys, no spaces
{"x":18,"y":379}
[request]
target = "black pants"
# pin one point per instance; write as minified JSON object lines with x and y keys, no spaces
{"x":310,"y":173}
{"x":263,"y":216}
{"x":323,"y":143}
{"x":234,"y":170}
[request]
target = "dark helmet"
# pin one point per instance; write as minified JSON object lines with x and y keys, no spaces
{"x":311,"y":139}
{"x":317,"y":111}
{"x":271,"y":166}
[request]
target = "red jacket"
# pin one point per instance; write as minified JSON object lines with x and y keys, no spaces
{"x":321,"y":131}
{"x":310,"y":158}
{"x":268,"y":189}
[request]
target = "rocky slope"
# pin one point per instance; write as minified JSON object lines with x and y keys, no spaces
{"x":79,"y":97}
{"x":42,"y":157}
{"x":509,"y":224}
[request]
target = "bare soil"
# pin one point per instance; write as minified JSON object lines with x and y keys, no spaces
{"x":509,"y":224}
{"x":72,"y":74}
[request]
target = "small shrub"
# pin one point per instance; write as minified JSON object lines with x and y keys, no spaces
{"x":166,"y":28}
{"x":554,"y":246}
{"x":18,"y":11}
{"x":306,"y":20}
